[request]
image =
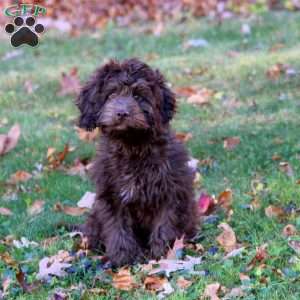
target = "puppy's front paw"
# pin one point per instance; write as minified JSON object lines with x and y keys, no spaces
{"x":158,"y":249}
{"x":123,"y":250}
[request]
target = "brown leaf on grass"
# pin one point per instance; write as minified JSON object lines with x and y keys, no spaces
{"x":154,"y":283}
{"x":30,"y":87}
{"x":123,"y":280}
{"x":260,"y":256}
{"x":235,"y":293}
{"x":8,"y":260}
{"x":27,"y":288}
{"x":206,"y":204}
{"x":88,"y":136}
{"x":19,"y":176}
{"x":289,"y":230}
{"x":274,"y":72}
{"x":5,"y":211}
{"x":298,"y":181}
{"x":79,"y":168}
{"x":55,"y":159}
{"x":183,"y":137}
{"x":70,"y":210}
{"x":5,"y":285}
{"x":198,"y":248}
{"x":295,"y":245}
{"x":53,"y":266}
{"x":36,"y":207}
{"x":227,"y":238}
{"x":211,"y":291}
{"x":202,"y":97}
{"x":168,"y":266}
{"x":274,"y":212}
{"x":225,"y":199}
{"x":231,"y":143}
{"x":255,"y":203}
{"x":10,"y":140}
{"x":244,"y":277}
{"x":176,"y":251}
{"x":87,"y":200}
{"x":286,"y":168}
{"x":185,"y":91}
{"x":46,"y":243}
{"x":183,"y":283}
{"x":276,"y":157}
{"x":276,"y":47}
{"x":69,"y":83}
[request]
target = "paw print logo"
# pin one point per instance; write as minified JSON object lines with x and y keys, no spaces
{"x":24,"y":32}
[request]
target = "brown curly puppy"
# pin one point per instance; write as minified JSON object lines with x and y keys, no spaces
{"x":144,"y":186}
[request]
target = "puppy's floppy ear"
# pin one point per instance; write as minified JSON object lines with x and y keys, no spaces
{"x":90,"y":99}
{"x":168,"y":105}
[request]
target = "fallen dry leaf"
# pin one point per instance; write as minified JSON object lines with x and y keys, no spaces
{"x":235,"y":293}
{"x":154,"y":283}
{"x":244,"y":277}
{"x":276,"y":157}
{"x":202,"y":97}
{"x":185,"y":91}
{"x":123,"y":280}
{"x":168,"y":266}
{"x":79,"y":168}
{"x":7,"y":259}
{"x":286,"y":168}
{"x":260,"y":256}
{"x":176,"y":251}
{"x":69,"y":83}
{"x":234,"y":253}
{"x":10,"y":140}
{"x":211,"y":291}
{"x":5,"y":284}
{"x":274,"y":72}
{"x":295,"y":245}
{"x":55,"y":159}
{"x":255,"y":203}
{"x":274,"y":212}
{"x":289,"y":230}
{"x":224,"y":199}
{"x":88,"y":136}
{"x":30,"y":87}
{"x":87,"y":200}
{"x":206,"y":204}
{"x":227,"y":238}
{"x":52,"y":266}
{"x":183,"y":137}
{"x":36,"y":207}
{"x":24,"y":243}
{"x":231,"y":143}
{"x":5,"y":211}
{"x":28,"y":288}
{"x":19,"y":176}
{"x":69,"y":210}
{"x":183,"y":283}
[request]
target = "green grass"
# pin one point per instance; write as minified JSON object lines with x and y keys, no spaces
{"x":47,"y":120}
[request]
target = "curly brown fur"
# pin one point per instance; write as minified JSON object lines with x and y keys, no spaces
{"x":144,"y":186}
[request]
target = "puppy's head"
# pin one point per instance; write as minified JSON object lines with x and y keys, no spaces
{"x":127,"y":97}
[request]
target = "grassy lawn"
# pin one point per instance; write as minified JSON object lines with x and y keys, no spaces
{"x":265,"y":117}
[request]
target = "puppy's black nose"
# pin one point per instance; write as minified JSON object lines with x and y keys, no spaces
{"x":122,"y":114}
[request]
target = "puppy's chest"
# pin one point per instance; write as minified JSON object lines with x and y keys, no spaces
{"x":142,"y":184}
